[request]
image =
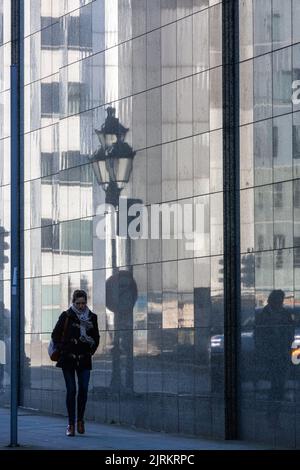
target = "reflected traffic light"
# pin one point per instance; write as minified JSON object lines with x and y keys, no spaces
{"x":3,"y":247}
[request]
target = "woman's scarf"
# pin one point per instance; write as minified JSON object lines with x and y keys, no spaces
{"x":85,"y":324}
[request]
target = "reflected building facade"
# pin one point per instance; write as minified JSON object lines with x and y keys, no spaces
{"x":159,"y":64}
{"x":269,"y":172}
{"x":145,"y":60}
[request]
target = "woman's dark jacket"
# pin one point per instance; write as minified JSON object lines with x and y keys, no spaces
{"x":75,"y":353}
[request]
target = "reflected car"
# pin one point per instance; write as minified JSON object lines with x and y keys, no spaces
{"x":247,"y":361}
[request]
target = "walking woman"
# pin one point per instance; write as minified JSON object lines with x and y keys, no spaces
{"x":77,"y":331}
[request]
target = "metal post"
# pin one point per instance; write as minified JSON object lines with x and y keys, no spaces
{"x":116,"y":370}
{"x":15,"y":248}
{"x":230,"y":24}
{"x":16,"y":111}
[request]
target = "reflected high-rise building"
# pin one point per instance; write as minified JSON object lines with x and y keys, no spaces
{"x":160,"y":64}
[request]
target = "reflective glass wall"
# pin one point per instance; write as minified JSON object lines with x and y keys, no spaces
{"x":270,"y":120}
{"x":5,"y":60}
{"x":159,"y":64}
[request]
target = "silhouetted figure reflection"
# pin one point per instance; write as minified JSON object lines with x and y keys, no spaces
{"x":121,"y":295}
{"x":274,"y":334}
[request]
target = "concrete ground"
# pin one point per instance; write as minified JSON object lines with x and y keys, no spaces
{"x":41,"y":432}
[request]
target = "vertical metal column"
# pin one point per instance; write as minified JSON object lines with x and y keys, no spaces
{"x":230,"y":22}
{"x":15,"y":218}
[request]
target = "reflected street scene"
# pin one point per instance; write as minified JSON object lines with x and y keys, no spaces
{"x":150,"y":157}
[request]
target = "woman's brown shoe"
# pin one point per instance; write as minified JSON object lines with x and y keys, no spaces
{"x":70,"y":430}
{"x":80,"y":427}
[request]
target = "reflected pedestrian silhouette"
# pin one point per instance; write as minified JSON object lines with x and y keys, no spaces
{"x":274,"y":334}
{"x":121,"y":296}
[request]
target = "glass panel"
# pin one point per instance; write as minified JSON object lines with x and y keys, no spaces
{"x":169,"y":172}
{"x":262,"y":21}
{"x":283,"y":215}
{"x":216,"y":223}
{"x":296,"y":78}
{"x":185,"y":167}
{"x":201,"y":164}
{"x":168,"y":53}
{"x":154,"y":289}
{"x":246,"y":156}
{"x":216,"y":161}
{"x":281,"y":23}
{"x":168,"y":10}
{"x":263,"y":216}
{"x":184,"y":47}
{"x":282,"y":148}
{"x":184,"y":107}
{"x":246,"y":29}
{"x":154,"y":117}
{"x":153,"y":59}
{"x":153,"y":14}
{"x":295,"y":20}
{"x":215,"y":32}
{"x":246,"y":92}
{"x":169,"y":112}
{"x":262,"y":87}
{"x":139,"y":58}
{"x":296,"y":144}
{"x":170,"y":298}
{"x":263,"y":152}
{"x":201,"y":102}
{"x":216,"y":107}
{"x":282,"y":81}
{"x":202,"y":226}
{"x":200,"y":42}
{"x":247,"y":220}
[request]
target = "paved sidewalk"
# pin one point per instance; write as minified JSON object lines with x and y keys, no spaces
{"x":41,"y":432}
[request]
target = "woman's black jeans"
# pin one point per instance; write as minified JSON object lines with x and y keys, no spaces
{"x":83,"y":376}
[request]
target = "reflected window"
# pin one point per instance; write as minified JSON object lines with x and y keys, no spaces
{"x":282,"y":86}
{"x":86,"y":242}
{"x":49,"y":98}
{"x":278,"y":195}
{"x":73,"y":97}
{"x":79,"y":31}
{"x":70,"y":159}
{"x":297,"y":194}
{"x":297,"y":252}
{"x":260,"y":246}
{"x":275,"y":141}
{"x":77,"y":93}
{"x":73,"y":31}
{"x":260,"y":242}
{"x":46,"y":167}
{"x":51,"y":37}
{"x":279,"y":244}
{"x":279,"y":259}
{"x":296,"y":142}
{"x":73,"y":158}
{"x":258,"y":261}
{"x":48,"y":241}
{"x":260,"y":200}
{"x":276,"y":27}
{"x":76,"y":237}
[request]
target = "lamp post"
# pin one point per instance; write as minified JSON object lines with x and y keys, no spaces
{"x":112,"y":165}
{"x":112,"y":162}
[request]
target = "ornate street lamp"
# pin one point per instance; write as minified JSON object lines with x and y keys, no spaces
{"x":112,"y":162}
